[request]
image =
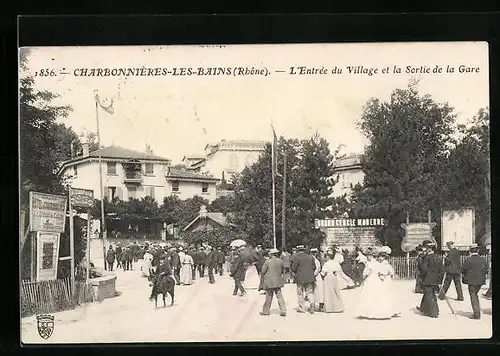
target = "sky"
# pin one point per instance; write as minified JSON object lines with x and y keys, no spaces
{"x":179,"y":115}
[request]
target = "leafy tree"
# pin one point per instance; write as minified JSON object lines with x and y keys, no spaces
{"x":43,"y":145}
{"x":409,"y":139}
{"x":39,"y":141}
{"x":309,"y":167}
{"x":170,"y":208}
{"x":216,"y":238}
{"x":466,"y":174}
{"x":224,"y":204}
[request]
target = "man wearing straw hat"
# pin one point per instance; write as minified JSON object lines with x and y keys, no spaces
{"x":474,"y":275}
{"x":272,"y":282}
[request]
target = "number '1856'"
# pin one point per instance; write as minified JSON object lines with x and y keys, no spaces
{"x":45,"y":73}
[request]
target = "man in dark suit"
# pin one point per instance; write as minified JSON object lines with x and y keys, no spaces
{"x":474,"y":275}
{"x":304,"y":268}
{"x":110,"y":258}
{"x":272,"y":282}
{"x":432,"y":275}
{"x":118,"y":251}
{"x":260,"y":258}
{"x":211,"y":263}
{"x":453,"y":268}
{"x":176,"y":265}
{"x":220,"y":261}
{"x":202,"y":256}
{"x":238,"y":271}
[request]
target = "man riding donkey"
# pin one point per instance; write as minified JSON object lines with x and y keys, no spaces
{"x":163,"y":282}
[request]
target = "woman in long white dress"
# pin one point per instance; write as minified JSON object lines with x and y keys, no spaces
{"x":374,"y":300}
{"x":146,"y":263}
{"x":318,"y":287}
{"x":343,"y":279}
{"x":371,"y":287}
{"x":186,"y":269}
{"x":332,"y":298}
{"x":387,"y":304}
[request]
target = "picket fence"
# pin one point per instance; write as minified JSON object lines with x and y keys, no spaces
{"x":406,"y":268}
{"x":52,"y":296}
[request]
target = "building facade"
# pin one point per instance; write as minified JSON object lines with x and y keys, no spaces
{"x":348,"y":172}
{"x":130,"y":174}
{"x":227,"y":157}
{"x":186,"y":184}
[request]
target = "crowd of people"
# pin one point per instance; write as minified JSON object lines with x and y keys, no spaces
{"x":434,"y":276}
{"x":185,"y":264}
{"x":319,"y":276}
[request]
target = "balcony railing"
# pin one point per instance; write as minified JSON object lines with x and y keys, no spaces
{"x":133,"y":177}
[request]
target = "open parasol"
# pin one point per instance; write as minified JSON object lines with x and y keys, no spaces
{"x":237,"y":243}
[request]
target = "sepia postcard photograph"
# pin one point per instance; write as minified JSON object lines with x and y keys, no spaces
{"x":273,"y":192}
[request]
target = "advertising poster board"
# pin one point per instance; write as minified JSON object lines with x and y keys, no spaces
{"x":47,"y":212}
{"x":415,"y":234}
{"x":47,"y":244}
{"x":458,"y":226}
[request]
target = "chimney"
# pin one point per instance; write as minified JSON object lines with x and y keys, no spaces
{"x":85,"y":147}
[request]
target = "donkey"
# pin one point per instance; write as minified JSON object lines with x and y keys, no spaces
{"x":162,"y":284}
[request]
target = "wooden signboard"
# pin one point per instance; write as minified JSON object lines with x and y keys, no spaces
{"x":83,"y":198}
{"x":415,"y":234}
{"x":350,"y":233}
{"x":47,"y":212}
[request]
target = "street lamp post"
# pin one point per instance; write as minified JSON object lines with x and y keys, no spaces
{"x":101,"y":188}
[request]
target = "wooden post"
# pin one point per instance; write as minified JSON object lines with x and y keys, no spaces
{"x":32,"y":236}
{"x":88,"y":246}
{"x":283,"y":205}
{"x":407,"y":217}
{"x":429,"y":216}
{"x":103,"y":215}
{"x":408,"y":264}
{"x":71,"y":245}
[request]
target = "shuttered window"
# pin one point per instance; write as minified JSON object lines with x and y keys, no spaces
{"x":150,"y":192}
{"x":149,"y":168}
{"x":111,"y":168}
{"x":204,"y":187}
{"x":175,"y":186}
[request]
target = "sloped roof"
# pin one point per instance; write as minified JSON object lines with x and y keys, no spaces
{"x":121,"y":152}
{"x":218,"y":218}
{"x":111,"y":152}
{"x":185,"y":174}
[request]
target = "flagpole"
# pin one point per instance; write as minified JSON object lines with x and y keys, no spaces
{"x":283,"y":205}
{"x":103,"y":222}
{"x":274,"y":188}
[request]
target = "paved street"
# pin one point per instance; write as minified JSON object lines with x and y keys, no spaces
{"x":204,"y":312}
